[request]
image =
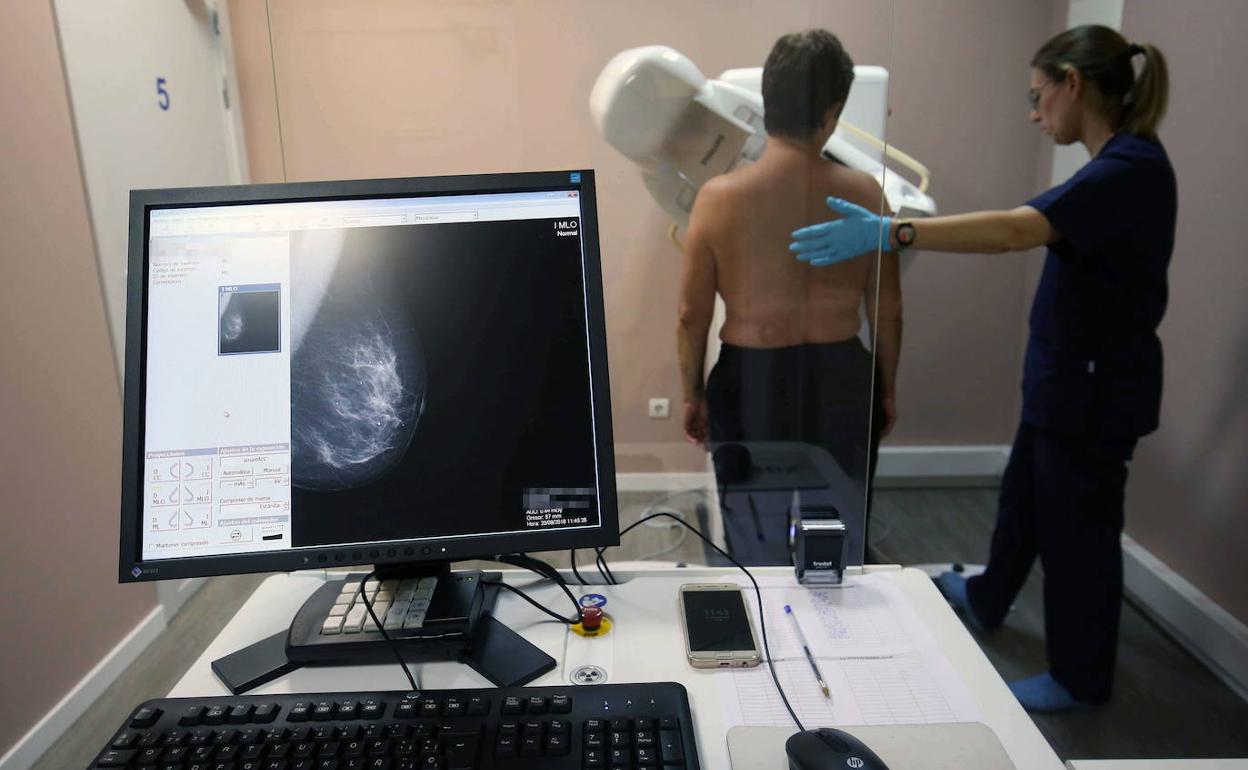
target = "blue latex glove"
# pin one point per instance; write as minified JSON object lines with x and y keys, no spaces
{"x":856,"y":232}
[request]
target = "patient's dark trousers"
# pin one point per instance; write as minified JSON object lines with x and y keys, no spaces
{"x":1062,"y":500}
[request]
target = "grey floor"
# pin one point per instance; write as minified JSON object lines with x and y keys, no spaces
{"x":1166,"y":704}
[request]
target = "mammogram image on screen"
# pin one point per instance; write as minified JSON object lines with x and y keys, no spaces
{"x":249,"y":319}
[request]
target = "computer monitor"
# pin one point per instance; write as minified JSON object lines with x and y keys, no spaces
{"x":380,"y":372}
{"x":400,"y":373}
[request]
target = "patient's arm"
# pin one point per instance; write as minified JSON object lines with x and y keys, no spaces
{"x":697,"y":304}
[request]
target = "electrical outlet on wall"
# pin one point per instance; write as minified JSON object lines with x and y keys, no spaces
{"x":660,"y":408}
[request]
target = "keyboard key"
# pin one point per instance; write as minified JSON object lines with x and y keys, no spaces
{"x":323,"y":711}
{"x":595,"y":758}
{"x":114,"y":758}
{"x":478,"y":706}
{"x":621,"y":723}
{"x":453,"y":707}
{"x":215,"y":715}
{"x":192,"y":716}
{"x":619,"y":757}
{"x":559,"y":726}
{"x":461,"y":752}
{"x":513,"y":704}
{"x":505,"y":746}
{"x":240,"y":714}
{"x":537,"y":704}
{"x":145,"y":717}
{"x":530,"y":745}
{"x":647,"y":756}
{"x":595,"y":725}
{"x":595,"y":740}
{"x":372,"y":709}
{"x":125,"y":741}
{"x":557,"y":744}
{"x":560,"y":704}
{"x":332,"y":625}
{"x":299,"y":712}
{"x":347,"y":710}
{"x":265,"y":713}
{"x":669,"y":723}
{"x":669,"y":745}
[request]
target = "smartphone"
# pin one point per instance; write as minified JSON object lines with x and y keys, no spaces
{"x":718,"y":631}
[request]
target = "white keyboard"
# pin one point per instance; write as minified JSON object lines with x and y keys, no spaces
{"x":398,"y":604}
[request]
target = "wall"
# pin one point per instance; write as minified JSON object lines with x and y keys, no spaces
{"x":1187,"y":501}
{"x":60,"y":409}
{"x":394,"y":89}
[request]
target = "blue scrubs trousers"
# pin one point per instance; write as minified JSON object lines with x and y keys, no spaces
{"x":1062,"y":500}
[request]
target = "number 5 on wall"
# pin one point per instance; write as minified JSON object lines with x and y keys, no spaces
{"x":164,"y":95}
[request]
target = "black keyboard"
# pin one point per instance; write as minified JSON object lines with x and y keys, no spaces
{"x":596,"y":726}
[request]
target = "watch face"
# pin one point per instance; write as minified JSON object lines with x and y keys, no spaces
{"x":905,"y":234}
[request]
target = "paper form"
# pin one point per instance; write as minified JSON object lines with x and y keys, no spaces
{"x":881,"y":664}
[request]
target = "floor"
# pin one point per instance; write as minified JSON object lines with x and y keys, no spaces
{"x":1166,"y":703}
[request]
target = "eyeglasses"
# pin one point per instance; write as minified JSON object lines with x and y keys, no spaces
{"x":1033,"y":94}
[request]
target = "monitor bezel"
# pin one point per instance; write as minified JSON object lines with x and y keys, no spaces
{"x":133,"y":568}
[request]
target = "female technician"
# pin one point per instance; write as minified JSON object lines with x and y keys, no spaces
{"x":1092,"y":373}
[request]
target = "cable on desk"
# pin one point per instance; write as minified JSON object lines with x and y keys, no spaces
{"x":762,"y":623}
{"x":543,"y":569}
{"x":535,"y":603}
{"x":394,"y":647}
{"x":572,"y":559}
{"x":607,"y":576}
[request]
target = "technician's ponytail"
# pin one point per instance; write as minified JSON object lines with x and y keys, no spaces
{"x":1145,"y":104}
{"x":1104,"y":57}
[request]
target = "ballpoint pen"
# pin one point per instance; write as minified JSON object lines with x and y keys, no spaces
{"x":810,"y":658}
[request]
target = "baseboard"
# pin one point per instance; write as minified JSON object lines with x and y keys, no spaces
{"x":899,"y":466}
{"x":1206,"y":630}
{"x":941,"y":465}
{"x":663,"y":482}
{"x":48,"y":730}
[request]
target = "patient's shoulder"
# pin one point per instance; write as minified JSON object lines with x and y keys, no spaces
{"x":854,"y":186}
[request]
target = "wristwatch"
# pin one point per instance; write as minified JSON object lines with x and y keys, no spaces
{"x":905,"y":235}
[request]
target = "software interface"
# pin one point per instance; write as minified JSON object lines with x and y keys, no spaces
{"x":337,"y":372}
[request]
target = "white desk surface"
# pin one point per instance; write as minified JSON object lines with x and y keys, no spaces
{"x":646,"y":645}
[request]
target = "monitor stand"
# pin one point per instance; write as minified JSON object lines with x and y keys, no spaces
{"x":457,"y":624}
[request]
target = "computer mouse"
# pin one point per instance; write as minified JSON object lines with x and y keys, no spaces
{"x":732,"y":463}
{"x":826,"y":748}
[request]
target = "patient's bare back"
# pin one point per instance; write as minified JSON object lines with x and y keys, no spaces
{"x":772,"y":299}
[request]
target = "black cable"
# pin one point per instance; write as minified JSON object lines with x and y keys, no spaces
{"x":607,"y":575}
{"x":762,"y":624}
{"x":535,"y":603}
{"x":394,"y":647}
{"x":572,"y":559}
{"x":541,"y":568}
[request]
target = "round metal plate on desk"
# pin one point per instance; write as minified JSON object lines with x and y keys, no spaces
{"x":588,"y":675}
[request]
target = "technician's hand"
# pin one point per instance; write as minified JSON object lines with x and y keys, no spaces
{"x":697,"y":422}
{"x":888,"y":403}
{"x":856,"y":232}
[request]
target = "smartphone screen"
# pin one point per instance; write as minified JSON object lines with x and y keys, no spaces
{"x":717,"y":621}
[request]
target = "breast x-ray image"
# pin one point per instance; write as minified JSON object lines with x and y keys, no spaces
{"x":439,"y":375}
{"x":249,"y":320}
{"x":358,"y":375}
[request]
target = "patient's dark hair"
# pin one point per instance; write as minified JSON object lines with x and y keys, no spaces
{"x":1136,"y":103}
{"x":806,"y":73}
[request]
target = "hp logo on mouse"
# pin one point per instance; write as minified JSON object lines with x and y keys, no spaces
{"x":855,"y":762}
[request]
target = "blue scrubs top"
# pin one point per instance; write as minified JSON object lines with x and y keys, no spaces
{"x":1093,"y":365}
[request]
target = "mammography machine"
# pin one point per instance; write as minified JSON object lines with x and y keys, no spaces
{"x":655,"y":106}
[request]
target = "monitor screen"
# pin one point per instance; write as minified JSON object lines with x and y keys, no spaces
{"x":363,"y":372}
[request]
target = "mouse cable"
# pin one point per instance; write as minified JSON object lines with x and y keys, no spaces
{"x":394,"y":646}
{"x":762,"y":624}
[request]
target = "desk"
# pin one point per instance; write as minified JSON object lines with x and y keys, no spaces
{"x":647,"y":646}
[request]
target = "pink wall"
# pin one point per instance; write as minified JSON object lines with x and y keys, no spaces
{"x":414,"y":88}
{"x":59,"y":402}
{"x":1188,"y":496}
